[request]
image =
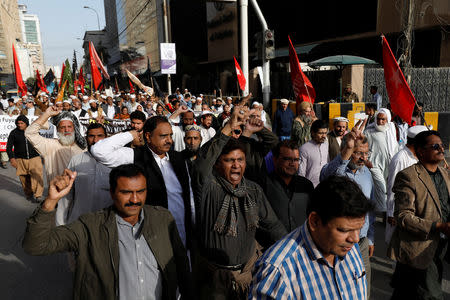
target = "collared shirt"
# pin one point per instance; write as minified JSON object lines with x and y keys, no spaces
{"x":139,"y":276}
{"x":313,"y":157}
{"x":363,"y":178}
{"x":175,"y":203}
{"x":294,"y":268}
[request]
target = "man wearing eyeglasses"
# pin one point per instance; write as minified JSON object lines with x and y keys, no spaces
{"x":422,"y":210}
{"x":287,"y":192}
{"x":352,"y":162}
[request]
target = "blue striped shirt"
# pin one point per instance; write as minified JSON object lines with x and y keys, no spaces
{"x":294,"y":268}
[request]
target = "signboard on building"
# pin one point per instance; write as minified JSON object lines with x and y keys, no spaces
{"x":168,"y":58}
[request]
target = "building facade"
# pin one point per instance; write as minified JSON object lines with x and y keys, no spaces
{"x":10,"y":33}
{"x":31,"y":40}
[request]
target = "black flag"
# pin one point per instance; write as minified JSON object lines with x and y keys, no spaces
{"x":49,"y":77}
{"x":74,"y":66}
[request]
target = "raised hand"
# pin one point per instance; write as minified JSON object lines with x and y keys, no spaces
{"x":52,"y":111}
{"x":58,"y":188}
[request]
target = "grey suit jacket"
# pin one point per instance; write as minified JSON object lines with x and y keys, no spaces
{"x":417,"y":206}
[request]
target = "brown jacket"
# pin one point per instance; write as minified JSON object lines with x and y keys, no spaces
{"x":37,"y":111}
{"x":94,"y":238}
{"x":333,"y":147}
{"x":417,"y":206}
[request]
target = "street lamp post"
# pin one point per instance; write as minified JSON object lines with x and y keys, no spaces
{"x":98,"y":20}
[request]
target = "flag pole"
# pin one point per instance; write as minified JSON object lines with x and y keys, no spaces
{"x":239,"y":94}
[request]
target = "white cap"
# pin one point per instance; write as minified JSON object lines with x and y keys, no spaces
{"x":44,"y":95}
{"x":340,"y":119}
{"x":132,"y":96}
{"x":198,"y":98}
{"x":256,"y":103}
{"x":229,"y":98}
{"x":85,"y":97}
{"x":72,"y":97}
{"x":284,"y":101}
{"x":415,"y":130}
{"x":201,"y":95}
{"x":103,"y":96}
{"x":206,"y":112}
{"x":92,"y":101}
{"x":67,"y":101}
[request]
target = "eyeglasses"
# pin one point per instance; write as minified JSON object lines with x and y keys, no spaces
{"x":436,"y":146}
{"x":290,"y":159}
{"x":359,"y":153}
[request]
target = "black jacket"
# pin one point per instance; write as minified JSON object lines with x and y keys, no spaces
{"x":156,"y":187}
{"x":22,"y":147}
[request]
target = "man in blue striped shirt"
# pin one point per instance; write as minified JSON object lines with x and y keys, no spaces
{"x":320,"y":259}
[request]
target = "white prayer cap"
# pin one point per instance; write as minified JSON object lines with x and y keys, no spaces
{"x":219,"y":99}
{"x":30,"y":100}
{"x":92,"y":101}
{"x":284,"y":101}
{"x":103,"y":96}
{"x":44,"y":95}
{"x":132,"y":96}
{"x":67,"y":101}
{"x":198,"y":98}
{"x":229,"y":98}
{"x":24,"y":97}
{"x":206,"y":112}
{"x":256,"y":104}
{"x":341,"y":119}
{"x":97,"y":92}
{"x":85,"y":97}
{"x":201,"y":95}
{"x":72,"y":97}
{"x":415,"y":130}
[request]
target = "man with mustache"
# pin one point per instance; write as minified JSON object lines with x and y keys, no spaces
{"x":301,"y":126}
{"x":126,"y":251}
{"x":383,"y":145}
{"x":351,"y":162}
{"x":56,"y":152}
{"x":335,"y":136}
{"x":422,"y":213}
{"x":320,"y":259}
{"x":168,"y":178}
{"x":314,"y":154}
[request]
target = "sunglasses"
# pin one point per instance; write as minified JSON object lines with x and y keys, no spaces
{"x":436,"y":146}
{"x":237,"y":131}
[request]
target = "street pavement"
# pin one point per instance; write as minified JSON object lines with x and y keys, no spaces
{"x":31,"y":277}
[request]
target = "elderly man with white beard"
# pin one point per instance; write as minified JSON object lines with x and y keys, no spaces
{"x":56,"y":152}
{"x":383,"y":145}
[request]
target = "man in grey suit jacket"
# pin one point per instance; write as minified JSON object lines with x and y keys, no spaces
{"x":422,"y":211}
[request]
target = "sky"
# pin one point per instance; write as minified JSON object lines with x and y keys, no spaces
{"x":63,"y":23}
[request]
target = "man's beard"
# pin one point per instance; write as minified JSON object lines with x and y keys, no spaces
{"x":191,"y":151}
{"x":94,"y":108}
{"x":66,"y":140}
{"x":306,"y":119}
{"x":352,"y":166}
{"x":381,"y":128}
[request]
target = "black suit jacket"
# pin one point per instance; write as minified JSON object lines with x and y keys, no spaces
{"x":156,"y":187}
{"x":105,"y":109}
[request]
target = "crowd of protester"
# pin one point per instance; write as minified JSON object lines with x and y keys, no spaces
{"x":211,"y":198}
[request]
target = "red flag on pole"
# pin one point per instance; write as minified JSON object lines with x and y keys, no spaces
{"x":62,"y":73}
{"x":131,"y":87}
{"x":40,"y":82}
{"x":303,"y":89}
{"x":81,"y":81}
{"x":21,"y":87}
{"x":95,"y":73}
{"x":98,"y":62}
{"x":240,"y":75}
{"x":400,"y":96}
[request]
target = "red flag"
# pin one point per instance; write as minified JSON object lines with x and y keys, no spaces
{"x":40,"y":82}
{"x":240,"y":75}
{"x":303,"y":89}
{"x":131,"y":87}
{"x":81,"y":81}
{"x":62,"y":73}
{"x":21,"y":87}
{"x":400,"y":96}
{"x":98,"y":61}
{"x":95,"y":73}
